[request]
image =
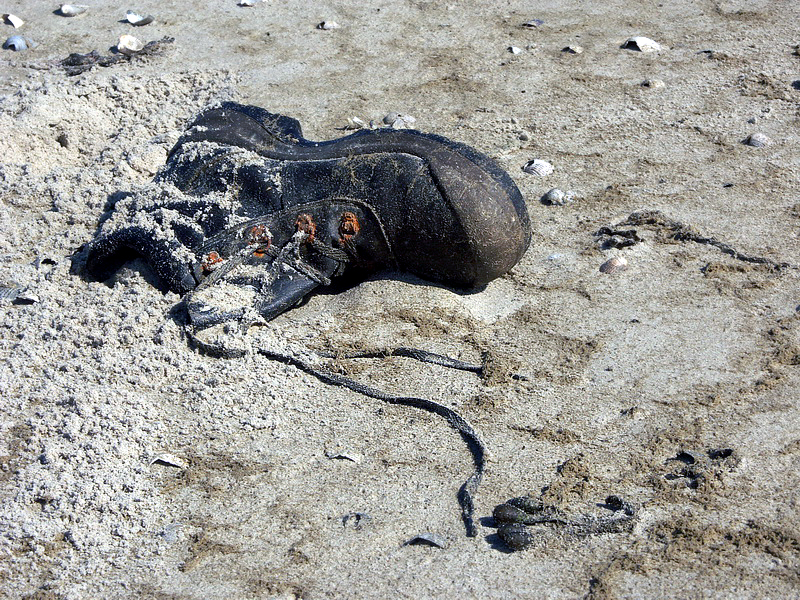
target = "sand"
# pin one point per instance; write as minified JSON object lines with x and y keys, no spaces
{"x":132,"y":466}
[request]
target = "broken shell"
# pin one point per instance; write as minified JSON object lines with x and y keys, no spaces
{"x":16,"y":43}
{"x":13,"y":20}
{"x":515,"y":50}
{"x":556,"y":197}
{"x":26,"y":297}
{"x":427,"y":539}
{"x":72,"y":10}
{"x":129,"y":45}
{"x":356,"y":123}
{"x":9,"y":293}
{"x":614,"y":265}
{"x":757,"y":140}
{"x":572,"y":49}
{"x":327,"y":25}
{"x":641,"y":44}
{"x":653,"y":83}
{"x":168,"y":460}
{"x":532,"y":24}
{"x":138,"y":20}
{"x":539,"y":167}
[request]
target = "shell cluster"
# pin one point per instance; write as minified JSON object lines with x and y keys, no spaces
{"x":397,"y":121}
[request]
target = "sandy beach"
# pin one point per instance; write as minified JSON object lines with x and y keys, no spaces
{"x":133,"y":466}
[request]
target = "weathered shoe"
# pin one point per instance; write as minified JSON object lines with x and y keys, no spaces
{"x":246,"y":202}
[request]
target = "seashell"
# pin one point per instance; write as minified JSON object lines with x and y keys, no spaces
{"x":398,"y":121}
{"x":327,"y":25}
{"x":72,"y":10}
{"x":356,"y":123}
{"x":9,"y":293}
{"x":516,"y":536}
{"x":129,"y":45}
{"x":138,"y":20}
{"x":757,"y":140}
{"x":641,"y":44}
{"x":573,"y":49}
{"x":614,"y":265}
{"x":427,"y":539}
{"x":13,"y":20}
{"x":539,"y":167}
{"x":168,"y":460}
{"x":17,"y":43}
{"x":556,"y":197}
{"x":515,"y":50}
{"x":247,"y":2}
{"x":653,"y":83}
{"x":26,"y":297}
{"x":532,"y":24}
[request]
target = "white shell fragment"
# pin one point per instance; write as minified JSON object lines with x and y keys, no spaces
{"x":129,"y":45}
{"x":539,"y":167}
{"x":169,"y":460}
{"x":556,"y":197}
{"x":614,"y":265}
{"x":532,"y":24}
{"x":641,"y":44}
{"x":653,"y":83}
{"x":572,"y":49}
{"x":327,"y":25}
{"x":356,"y":123}
{"x":72,"y":10}
{"x":138,"y":20}
{"x":515,"y":49}
{"x":398,"y":121}
{"x":247,"y":2}
{"x":757,"y":140}
{"x":13,"y":20}
{"x":17,"y":43}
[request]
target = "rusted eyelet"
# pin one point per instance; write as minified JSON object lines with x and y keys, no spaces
{"x":211,"y":261}
{"x":305,"y":223}
{"x":261,"y":238}
{"x":349,"y":226}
